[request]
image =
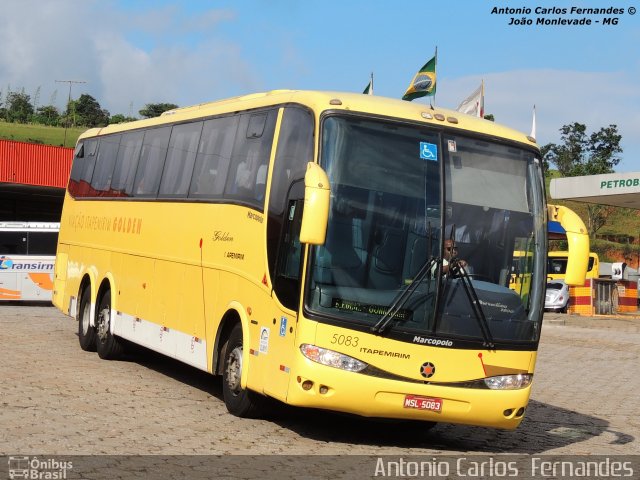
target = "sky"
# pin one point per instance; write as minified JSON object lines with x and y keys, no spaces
{"x":131,"y":53}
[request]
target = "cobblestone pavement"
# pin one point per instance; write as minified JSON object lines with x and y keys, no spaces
{"x":58,"y":400}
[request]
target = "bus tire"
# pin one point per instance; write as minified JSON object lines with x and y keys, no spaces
{"x":239,"y":401}
{"x":109,"y":346}
{"x":86,"y":333}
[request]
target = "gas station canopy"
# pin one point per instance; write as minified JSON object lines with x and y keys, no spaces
{"x":615,"y":189}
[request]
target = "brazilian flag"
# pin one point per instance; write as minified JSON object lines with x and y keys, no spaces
{"x":424,"y":82}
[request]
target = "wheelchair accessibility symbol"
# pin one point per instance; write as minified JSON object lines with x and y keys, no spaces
{"x":428,"y":151}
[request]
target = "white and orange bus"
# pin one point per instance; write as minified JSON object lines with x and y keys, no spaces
{"x":292,"y":242}
{"x":27,"y":253}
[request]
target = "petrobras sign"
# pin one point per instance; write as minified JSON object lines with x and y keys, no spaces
{"x":25,"y":264}
{"x":619,"y":183}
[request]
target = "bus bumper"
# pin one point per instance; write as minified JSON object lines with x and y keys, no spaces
{"x":319,"y":386}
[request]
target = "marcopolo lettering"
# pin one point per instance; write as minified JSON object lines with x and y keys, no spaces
{"x":624,"y":183}
{"x":432,"y":341}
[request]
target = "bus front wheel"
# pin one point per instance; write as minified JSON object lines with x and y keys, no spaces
{"x":239,"y":401}
{"x":109,"y":346}
{"x":86,"y":333}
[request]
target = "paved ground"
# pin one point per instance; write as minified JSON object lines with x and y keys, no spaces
{"x":58,"y":400}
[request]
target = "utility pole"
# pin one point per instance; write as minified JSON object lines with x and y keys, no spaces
{"x":70,"y":82}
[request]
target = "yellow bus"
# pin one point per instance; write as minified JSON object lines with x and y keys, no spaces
{"x":292,"y":242}
{"x":574,"y":260}
{"x":558,"y":260}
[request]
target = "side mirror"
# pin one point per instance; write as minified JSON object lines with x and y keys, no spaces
{"x":315,"y":215}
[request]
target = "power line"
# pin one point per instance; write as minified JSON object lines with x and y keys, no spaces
{"x":70,"y":82}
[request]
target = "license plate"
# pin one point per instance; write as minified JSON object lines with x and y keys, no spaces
{"x":423,"y":403}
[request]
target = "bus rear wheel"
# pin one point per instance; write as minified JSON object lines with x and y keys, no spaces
{"x":109,"y":346}
{"x":239,"y":401}
{"x":86,"y":333}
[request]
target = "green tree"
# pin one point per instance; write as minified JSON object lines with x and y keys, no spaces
{"x":19,"y":107}
{"x":581,"y":154}
{"x":86,"y":111}
{"x":151,"y":110}
{"x":47,"y":115}
{"x":120,"y":118}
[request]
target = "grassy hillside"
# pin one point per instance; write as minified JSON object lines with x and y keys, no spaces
{"x":618,"y":240}
{"x":40,"y":134}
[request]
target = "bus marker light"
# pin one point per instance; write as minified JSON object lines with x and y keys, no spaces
{"x":335,"y":101}
{"x":307,"y":385}
{"x":323,"y":389}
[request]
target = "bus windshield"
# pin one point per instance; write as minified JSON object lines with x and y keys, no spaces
{"x":398,"y":192}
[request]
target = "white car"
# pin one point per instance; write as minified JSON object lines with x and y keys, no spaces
{"x":557,"y":296}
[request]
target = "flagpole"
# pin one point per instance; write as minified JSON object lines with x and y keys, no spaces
{"x":372,"y":83}
{"x":435,"y":70}
{"x":481,"y":106}
{"x":533,"y":123}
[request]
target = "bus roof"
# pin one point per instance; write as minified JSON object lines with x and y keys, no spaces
{"x":319,"y":101}
{"x":19,"y":226}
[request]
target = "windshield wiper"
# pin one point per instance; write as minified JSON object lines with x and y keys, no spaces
{"x":403,"y":296}
{"x":472,"y":295}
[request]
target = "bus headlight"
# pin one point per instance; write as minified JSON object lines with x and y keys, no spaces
{"x":509,"y":382}
{"x":331,"y":358}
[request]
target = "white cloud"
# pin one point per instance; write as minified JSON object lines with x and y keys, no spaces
{"x":596,"y":99}
{"x":182,"y":62}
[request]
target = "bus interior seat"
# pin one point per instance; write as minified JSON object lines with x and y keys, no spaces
{"x":386,"y":263}
{"x":343,"y":257}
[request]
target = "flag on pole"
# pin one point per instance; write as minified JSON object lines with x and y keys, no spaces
{"x":424,"y":82}
{"x":369,"y":89}
{"x":533,"y":123}
{"x":474,"y":103}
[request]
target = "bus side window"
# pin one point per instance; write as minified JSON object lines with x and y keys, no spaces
{"x":126,"y":164}
{"x":151,"y":163}
{"x":82,"y":169}
{"x":251,"y":153}
{"x":181,"y":156}
{"x":287,"y":275}
{"x":13,"y":243}
{"x":105,"y":164}
{"x":43,"y":243}
{"x":213,"y":158}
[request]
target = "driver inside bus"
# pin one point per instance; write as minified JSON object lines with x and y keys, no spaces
{"x":449,"y":254}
